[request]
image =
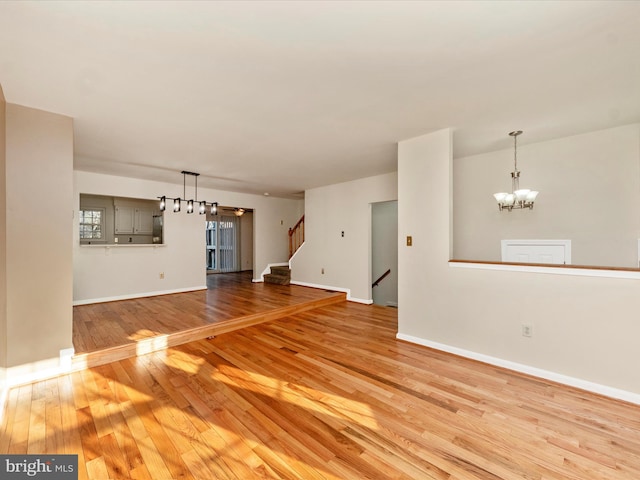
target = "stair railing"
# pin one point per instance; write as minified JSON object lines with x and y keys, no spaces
{"x":296,"y":237}
{"x":377,"y":282}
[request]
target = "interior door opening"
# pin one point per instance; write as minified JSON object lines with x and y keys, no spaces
{"x":229,"y":241}
{"x":384,"y":253}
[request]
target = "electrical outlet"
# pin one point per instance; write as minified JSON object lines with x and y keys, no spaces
{"x":527,"y":330}
{"x":161,"y":275}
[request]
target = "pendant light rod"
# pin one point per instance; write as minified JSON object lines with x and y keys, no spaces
{"x":515,"y":134}
{"x":184,"y":182}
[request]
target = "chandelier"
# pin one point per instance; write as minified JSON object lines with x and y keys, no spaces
{"x":192,"y":203}
{"x":519,"y":198}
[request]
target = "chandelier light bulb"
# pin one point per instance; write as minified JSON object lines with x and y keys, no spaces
{"x":521,"y":195}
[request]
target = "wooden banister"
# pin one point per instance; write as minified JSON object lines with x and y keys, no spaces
{"x":377,"y":282}
{"x":296,"y":236}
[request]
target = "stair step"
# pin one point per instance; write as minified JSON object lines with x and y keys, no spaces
{"x":281,"y":270}
{"x":277,"y":279}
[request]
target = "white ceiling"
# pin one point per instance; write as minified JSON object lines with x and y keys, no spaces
{"x":281,"y":97}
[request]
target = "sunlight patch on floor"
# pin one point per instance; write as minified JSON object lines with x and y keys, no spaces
{"x":153,"y":344}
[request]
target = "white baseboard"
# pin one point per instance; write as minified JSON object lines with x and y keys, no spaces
{"x":359,"y":300}
{"x":333,"y":289}
{"x":39,"y":370}
{"x":536,"y":372}
{"x":137,"y":295}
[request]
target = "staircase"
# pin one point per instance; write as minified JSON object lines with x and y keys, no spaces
{"x":296,"y":237}
{"x":280,"y":275}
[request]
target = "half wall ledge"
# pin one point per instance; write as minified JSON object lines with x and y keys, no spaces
{"x":576,"y":270}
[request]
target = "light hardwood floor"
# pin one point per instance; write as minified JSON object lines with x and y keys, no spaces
{"x":228,"y":298}
{"x":325,"y":394}
{"x":107,"y":332}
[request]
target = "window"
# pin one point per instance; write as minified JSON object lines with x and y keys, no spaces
{"x":92,"y":224}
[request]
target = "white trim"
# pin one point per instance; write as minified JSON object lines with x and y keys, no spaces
{"x":137,"y":295}
{"x":66,"y":357}
{"x":359,"y":300}
{"x":302,"y":245}
{"x":334,"y":289}
{"x":504,"y":244}
{"x":553,"y":270}
{"x":39,"y":370}
{"x":108,"y":246}
{"x":536,"y":372}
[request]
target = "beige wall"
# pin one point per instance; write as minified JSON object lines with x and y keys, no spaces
{"x":589,"y":193}
{"x":39,"y":209}
{"x":329,"y":211}
{"x":584,"y":328}
{"x":3,"y":243}
{"x":246,"y":241}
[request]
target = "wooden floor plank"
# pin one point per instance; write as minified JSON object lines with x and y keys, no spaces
{"x":19,"y":428}
{"x":107,"y":331}
{"x":328,"y":393}
{"x":8,"y":421}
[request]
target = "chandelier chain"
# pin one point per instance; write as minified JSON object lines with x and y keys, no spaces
{"x":515,"y":152}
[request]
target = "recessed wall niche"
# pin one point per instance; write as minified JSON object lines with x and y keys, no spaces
{"x":107,"y":220}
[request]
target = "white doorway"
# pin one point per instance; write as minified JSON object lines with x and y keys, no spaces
{"x":384,"y":253}
{"x":229,"y":240}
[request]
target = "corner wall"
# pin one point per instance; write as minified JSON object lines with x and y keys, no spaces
{"x":39,"y":209}
{"x":345,"y":260}
{"x":585,"y":329}
{"x":3,"y":246}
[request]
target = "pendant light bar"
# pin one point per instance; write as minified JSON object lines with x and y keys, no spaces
{"x":191,"y":203}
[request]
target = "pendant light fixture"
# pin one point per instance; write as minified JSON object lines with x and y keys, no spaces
{"x":177,"y":202}
{"x":519,"y":198}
